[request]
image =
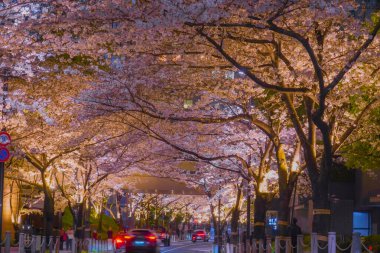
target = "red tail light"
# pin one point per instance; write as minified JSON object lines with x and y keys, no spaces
{"x":151,"y":238}
{"x":128,"y":237}
{"x":118,"y":241}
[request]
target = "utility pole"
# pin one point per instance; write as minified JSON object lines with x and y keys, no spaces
{"x":248,"y":216}
{"x":1,"y":198}
{"x":5,"y":73}
{"x":219,"y":225}
{"x":248,"y":212}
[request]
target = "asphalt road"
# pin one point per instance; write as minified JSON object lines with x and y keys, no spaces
{"x":188,"y":247}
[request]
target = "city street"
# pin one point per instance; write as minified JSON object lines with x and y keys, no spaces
{"x":127,"y":125}
{"x":187,"y":247}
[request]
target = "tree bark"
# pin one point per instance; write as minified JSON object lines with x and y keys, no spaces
{"x":321,"y":218}
{"x":48,"y":213}
{"x":79,"y":221}
{"x":235,"y":218}
{"x":260,"y":209}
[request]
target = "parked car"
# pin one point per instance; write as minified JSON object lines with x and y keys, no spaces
{"x":137,"y":240}
{"x":200,"y":235}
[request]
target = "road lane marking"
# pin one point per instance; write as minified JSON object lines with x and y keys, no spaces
{"x":187,"y":245}
{"x":176,"y":248}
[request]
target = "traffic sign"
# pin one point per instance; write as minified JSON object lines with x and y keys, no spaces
{"x":4,"y":154}
{"x":5,"y":139}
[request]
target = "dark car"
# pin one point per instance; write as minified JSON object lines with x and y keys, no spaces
{"x":136,"y":240}
{"x":140,"y":240}
{"x":200,"y":235}
{"x":163,"y":236}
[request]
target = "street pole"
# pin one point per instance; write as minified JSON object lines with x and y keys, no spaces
{"x":294,"y":201}
{"x":5,"y":73}
{"x":248,"y":214}
{"x":1,"y":199}
{"x":219,"y":225}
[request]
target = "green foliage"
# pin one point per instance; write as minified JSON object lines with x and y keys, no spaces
{"x":106,"y":222}
{"x":67,"y":219}
{"x":374,"y":117}
{"x":362,"y":155}
{"x":375,"y":17}
{"x":83,"y":62}
{"x":374,"y":241}
{"x":364,"y":151}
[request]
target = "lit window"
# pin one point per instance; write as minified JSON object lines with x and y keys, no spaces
{"x":362,"y":223}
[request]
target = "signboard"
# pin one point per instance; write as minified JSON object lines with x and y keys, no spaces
{"x":5,"y":139}
{"x":4,"y":154}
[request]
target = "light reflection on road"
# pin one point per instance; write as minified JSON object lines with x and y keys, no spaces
{"x":188,"y":247}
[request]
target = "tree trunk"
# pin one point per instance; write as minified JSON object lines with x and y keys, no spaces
{"x":321,"y":218}
{"x":321,"y":206}
{"x":283,"y":212}
{"x":235,"y":218}
{"x":79,"y":221}
{"x":286,"y":185}
{"x":235,"y":225}
{"x":48,"y":213}
{"x":260,"y":209}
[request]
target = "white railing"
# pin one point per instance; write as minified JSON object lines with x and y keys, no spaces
{"x":317,"y":244}
{"x":6,"y":243}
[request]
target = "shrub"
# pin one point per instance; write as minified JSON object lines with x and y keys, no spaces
{"x":374,"y":241}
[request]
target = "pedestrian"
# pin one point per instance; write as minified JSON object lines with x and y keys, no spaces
{"x":228,"y":237}
{"x":295,"y":230}
{"x":95,"y":235}
{"x":62,"y":238}
{"x":70,"y":238}
{"x":110,"y":236}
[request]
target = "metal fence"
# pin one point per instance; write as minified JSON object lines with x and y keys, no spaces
{"x":280,"y":244}
{"x":40,"y":244}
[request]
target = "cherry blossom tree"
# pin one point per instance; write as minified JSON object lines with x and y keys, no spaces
{"x":313,"y":61}
{"x":289,"y":49}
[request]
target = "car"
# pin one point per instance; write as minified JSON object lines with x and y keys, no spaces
{"x":119,"y":242}
{"x":200,"y":235}
{"x":139,"y":240}
{"x":163,"y":236}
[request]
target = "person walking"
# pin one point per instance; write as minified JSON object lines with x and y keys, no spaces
{"x":62,"y":238}
{"x":228,"y":240}
{"x":95,"y":235}
{"x":295,"y":230}
{"x":70,"y":239}
{"x":110,"y":237}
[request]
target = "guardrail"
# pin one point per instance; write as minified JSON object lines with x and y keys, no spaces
{"x":284,"y":244}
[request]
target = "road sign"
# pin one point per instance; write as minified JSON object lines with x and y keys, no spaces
{"x":5,"y":138}
{"x":4,"y":154}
